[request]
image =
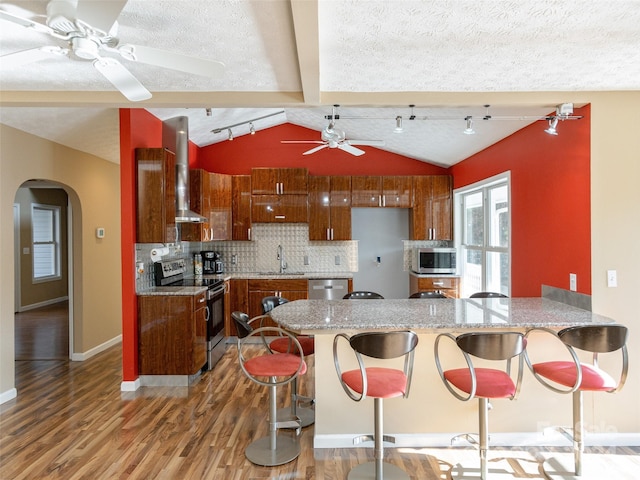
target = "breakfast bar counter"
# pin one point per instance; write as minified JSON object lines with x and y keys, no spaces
{"x":429,"y":416}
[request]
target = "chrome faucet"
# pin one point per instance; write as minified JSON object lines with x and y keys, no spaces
{"x":283,"y":264}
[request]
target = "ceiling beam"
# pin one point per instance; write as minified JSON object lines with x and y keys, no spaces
{"x":307,"y":41}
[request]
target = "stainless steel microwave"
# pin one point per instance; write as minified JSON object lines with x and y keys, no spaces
{"x":434,"y":260}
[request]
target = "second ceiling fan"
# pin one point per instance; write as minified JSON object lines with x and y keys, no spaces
{"x":334,"y":137}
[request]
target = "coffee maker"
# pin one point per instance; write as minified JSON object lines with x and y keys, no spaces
{"x":211,"y":262}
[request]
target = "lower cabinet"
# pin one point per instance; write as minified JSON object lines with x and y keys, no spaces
{"x":448,"y":285}
{"x":172,"y":335}
{"x":291,"y":289}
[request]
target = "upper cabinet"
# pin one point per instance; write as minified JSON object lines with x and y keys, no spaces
{"x":432,"y":216}
{"x":210,"y":196}
{"x":279,"y":209}
{"x":241,"y":207}
{"x":279,"y":181}
{"x":156,"y":196}
{"x":329,"y":208}
{"x":376,"y":191}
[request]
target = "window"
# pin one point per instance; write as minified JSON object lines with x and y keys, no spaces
{"x":482,"y":218}
{"x":45,"y":225}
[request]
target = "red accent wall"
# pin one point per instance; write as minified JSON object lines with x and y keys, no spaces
{"x":264,"y":149}
{"x":550,"y":202}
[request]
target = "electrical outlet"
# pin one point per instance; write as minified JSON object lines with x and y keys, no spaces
{"x":612,"y":278}
{"x":337,"y":259}
{"x":573,"y":282}
{"x":306,"y":259}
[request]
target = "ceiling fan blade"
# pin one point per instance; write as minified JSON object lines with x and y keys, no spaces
{"x":315,"y":149}
{"x":122,"y":79}
{"x":300,"y":141}
{"x":101,"y":14}
{"x":349,"y":149}
{"x":371,"y":143}
{"x":24,"y":22}
{"x":174,"y":61}
{"x":29,"y":56}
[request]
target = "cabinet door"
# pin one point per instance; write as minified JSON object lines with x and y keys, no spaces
{"x":199,"y":338}
{"x":441,"y":207}
{"x":241,"y":207}
{"x":421,"y":203}
{"x":396,"y":191}
{"x":319,"y":207}
{"x":293,"y":181}
{"x":199,"y":203}
{"x":340,"y":208}
{"x":219,"y":193}
{"x":156,"y":196}
{"x":450,"y":286}
{"x":366,"y":191}
{"x":279,"y":209}
{"x":264,"y":181}
{"x":238,"y":302}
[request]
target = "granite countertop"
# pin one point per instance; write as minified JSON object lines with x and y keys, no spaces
{"x":429,"y":315}
{"x":169,"y":290}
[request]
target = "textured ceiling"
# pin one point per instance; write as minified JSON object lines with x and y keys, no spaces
{"x":374,"y":58}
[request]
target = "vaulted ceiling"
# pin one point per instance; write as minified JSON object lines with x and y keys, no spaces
{"x":449,"y":58}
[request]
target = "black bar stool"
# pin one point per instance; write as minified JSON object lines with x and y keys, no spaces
{"x":378,"y":383}
{"x":363,"y":295}
{"x":575,"y":376}
{"x":427,"y":295}
{"x":300,"y":405}
{"x":487,"y":295}
{"x":482,"y":383}
{"x":274,"y":449}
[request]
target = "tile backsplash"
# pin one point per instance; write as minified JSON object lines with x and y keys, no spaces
{"x":260,"y":254}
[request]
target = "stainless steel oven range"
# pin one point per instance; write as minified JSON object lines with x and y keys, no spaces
{"x":170,"y":273}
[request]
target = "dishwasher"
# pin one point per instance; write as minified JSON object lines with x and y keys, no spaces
{"x":328,"y":288}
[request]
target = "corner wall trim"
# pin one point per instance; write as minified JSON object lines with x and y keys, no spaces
{"x":130,"y":386}
{"x":8,"y":395}
{"x":81,"y":357}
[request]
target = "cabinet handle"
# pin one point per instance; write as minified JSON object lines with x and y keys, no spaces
{"x":249,"y":233}
{"x":332,"y":234}
{"x":211,"y":236}
{"x":208,"y":314}
{"x":328,"y":234}
{"x":384,"y":200}
{"x":439,"y":284}
{"x":280,"y":217}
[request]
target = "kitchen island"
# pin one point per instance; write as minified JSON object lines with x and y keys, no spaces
{"x":430,"y":415}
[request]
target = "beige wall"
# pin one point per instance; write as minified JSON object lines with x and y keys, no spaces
{"x":93,"y":186}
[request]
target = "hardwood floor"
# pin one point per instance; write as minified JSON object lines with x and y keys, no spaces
{"x":70,"y":421}
{"x":43,"y":333}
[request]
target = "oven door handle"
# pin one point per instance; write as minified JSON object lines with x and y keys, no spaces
{"x":214,"y":293}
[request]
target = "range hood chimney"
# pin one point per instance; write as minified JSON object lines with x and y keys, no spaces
{"x":175,"y":138}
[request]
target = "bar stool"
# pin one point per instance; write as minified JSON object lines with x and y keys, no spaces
{"x":283,"y":344}
{"x":378,"y":383}
{"x":427,"y":295}
{"x":487,"y":295}
{"x":482,"y":383}
{"x":576,"y":377}
{"x":363,"y":295}
{"x":274,"y":449}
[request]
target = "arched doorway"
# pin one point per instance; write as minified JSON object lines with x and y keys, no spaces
{"x":43,"y":253}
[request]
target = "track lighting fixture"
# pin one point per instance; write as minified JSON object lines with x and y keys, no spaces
{"x":398,"y":128}
{"x":469,"y":130}
{"x":252,"y":129}
{"x":208,"y":112}
{"x":553,"y":123}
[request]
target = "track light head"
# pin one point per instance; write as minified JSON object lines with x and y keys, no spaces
{"x":230,"y":134}
{"x":252,"y":129}
{"x":469,"y":130}
{"x":553,"y":123}
{"x":398,"y":128}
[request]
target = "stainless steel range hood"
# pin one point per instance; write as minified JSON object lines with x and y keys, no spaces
{"x":175,"y":138}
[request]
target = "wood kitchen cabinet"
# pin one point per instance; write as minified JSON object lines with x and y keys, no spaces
{"x":386,"y":191}
{"x":329,"y":208}
{"x":432,"y":215}
{"x":279,"y":181}
{"x":155,"y":196}
{"x":279,"y":209}
{"x":241,"y":207}
{"x":172,"y":334}
{"x":289,"y":288}
{"x":210,"y":196}
{"x":448,"y":285}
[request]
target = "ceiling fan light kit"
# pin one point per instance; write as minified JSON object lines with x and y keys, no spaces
{"x":90,"y":28}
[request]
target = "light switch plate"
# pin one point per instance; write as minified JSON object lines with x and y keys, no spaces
{"x":612,"y":278}
{"x":99,"y":232}
{"x":573,"y":282}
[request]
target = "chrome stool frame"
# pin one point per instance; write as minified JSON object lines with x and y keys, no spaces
{"x":381,"y":345}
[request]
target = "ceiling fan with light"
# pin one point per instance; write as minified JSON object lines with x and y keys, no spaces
{"x":89,"y":28}
{"x":334,"y":137}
